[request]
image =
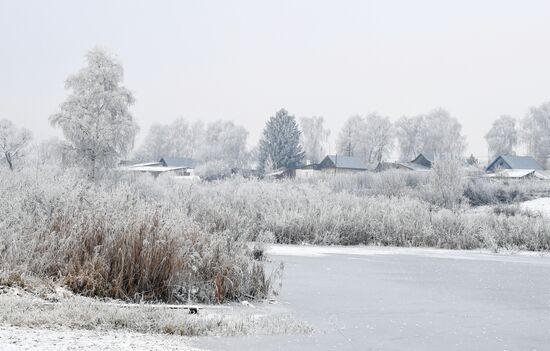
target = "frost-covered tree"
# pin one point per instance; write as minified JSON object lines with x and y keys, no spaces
{"x":280,"y":143}
{"x":226,"y":142}
{"x":442,"y":135}
{"x":156,"y":144}
{"x":369,"y":138}
{"x":350,"y":137}
{"x":176,"y":139}
{"x":95,"y":118}
{"x":502,"y":137}
{"x":378,"y":138}
{"x":437,"y":133}
{"x":13,"y":141}
{"x":49,"y":153}
{"x":535,"y":132}
{"x":221,"y":142}
{"x":409,"y":132}
{"x":314,"y":137}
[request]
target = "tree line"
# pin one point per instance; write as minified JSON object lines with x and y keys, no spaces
{"x":99,"y":130}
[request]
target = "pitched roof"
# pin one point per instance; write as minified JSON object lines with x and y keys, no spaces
{"x":518,"y":162}
{"x":349,"y":162}
{"x":152,"y":169}
{"x":428,"y":156}
{"x":178,"y":162}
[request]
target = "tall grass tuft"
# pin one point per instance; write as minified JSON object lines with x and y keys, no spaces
{"x":115,"y":242}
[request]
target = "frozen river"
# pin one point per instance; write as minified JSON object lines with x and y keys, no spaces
{"x":409,"y":299}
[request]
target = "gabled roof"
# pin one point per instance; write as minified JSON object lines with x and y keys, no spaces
{"x":146,"y":164}
{"x":427,"y":155}
{"x":178,"y":162}
{"x":517,"y":162}
{"x":348,"y":162}
{"x":424,"y":159}
{"x":152,"y":169}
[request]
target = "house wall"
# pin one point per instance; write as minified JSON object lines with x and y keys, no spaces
{"x":390,"y":165}
{"x":307,"y":173}
{"x":341,"y":170}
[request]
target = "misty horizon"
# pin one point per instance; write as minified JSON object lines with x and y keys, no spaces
{"x":243,"y":62}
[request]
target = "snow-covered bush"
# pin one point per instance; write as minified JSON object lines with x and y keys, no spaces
{"x":116,"y":241}
{"x":139,"y":237}
{"x":214,"y":170}
{"x":313,"y":212}
{"x":446,"y":185}
{"x":498,"y":191}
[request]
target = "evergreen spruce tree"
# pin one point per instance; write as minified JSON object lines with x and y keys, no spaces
{"x":280,"y":143}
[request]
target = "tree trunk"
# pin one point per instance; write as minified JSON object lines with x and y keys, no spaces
{"x":92,"y":172}
{"x":9,"y":160}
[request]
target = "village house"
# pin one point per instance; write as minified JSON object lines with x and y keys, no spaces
{"x":518,"y":167}
{"x":513,"y":162}
{"x":334,"y":164}
{"x":341,"y":164}
{"x":422,"y":162}
{"x":178,"y":167}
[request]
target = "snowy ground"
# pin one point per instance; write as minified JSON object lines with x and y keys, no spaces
{"x":55,"y":319}
{"x":17,"y":338}
{"x":369,"y":298}
{"x":541,"y":205}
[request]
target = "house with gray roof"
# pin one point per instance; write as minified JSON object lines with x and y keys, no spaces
{"x":514,"y":162}
{"x":407,"y":166}
{"x":424,"y":159}
{"x":421,"y":163}
{"x":184,"y":162}
{"x":342,"y":164}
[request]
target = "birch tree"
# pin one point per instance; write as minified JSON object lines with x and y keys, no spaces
{"x":502,"y":137}
{"x":314,"y":137}
{"x":226,"y":142}
{"x":13,"y":142}
{"x":155,"y":145}
{"x":378,"y":138}
{"x":370,"y":138}
{"x":349,"y":139}
{"x":176,"y":139}
{"x":409,"y":132}
{"x":535,"y":132}
{"x":280,"y":143}
{"x":95,"y":118}
{"x":442,"y":135}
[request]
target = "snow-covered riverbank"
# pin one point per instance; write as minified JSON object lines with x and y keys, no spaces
{"x":23,"y":338}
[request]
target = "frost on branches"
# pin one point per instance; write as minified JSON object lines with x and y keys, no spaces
{"x":280,"y":143}
{"x":94,"y":118}
{"x":13,"y":141}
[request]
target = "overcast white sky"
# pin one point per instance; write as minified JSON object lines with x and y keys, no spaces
{"x":243,"y":60}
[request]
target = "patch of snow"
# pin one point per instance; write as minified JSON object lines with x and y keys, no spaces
{"x":480,"y":254}
{"x":18,"y":338}
{"x":541,"y":205}
{"x":248,"y":304}
{"x":516,"y":173}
